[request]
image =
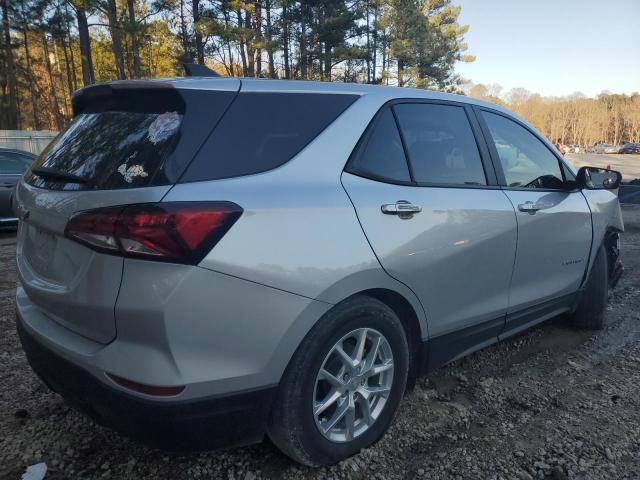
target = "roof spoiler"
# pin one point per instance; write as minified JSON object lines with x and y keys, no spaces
{"x":81,"y":98}
{"x":197,"y":70}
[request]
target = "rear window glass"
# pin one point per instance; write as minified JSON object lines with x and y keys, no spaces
{"x":131,"y":139}
{"x":262,"y":131}
{"x":383,"y":155}
{"x":440,"y":144}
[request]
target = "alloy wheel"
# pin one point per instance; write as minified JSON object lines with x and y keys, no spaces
{"x":353,"y":385}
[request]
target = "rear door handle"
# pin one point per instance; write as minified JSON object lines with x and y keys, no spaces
{"x":402,"y":208}
{"x":529,"y":207}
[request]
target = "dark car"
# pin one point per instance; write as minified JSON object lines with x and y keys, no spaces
{"x":630,"y":148}
{"x":629,"y":192}
{"x":13,"y":164}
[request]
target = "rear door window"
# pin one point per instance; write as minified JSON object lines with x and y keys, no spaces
{"x":262,"y":131}
{"x":440,"y":143}
{"x":130,"y":139}
{"x":382,"y":156}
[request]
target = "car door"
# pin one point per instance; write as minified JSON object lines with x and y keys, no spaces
{"x":12,"y":167}
{"x":554,"y":221}
{"x":426,"y":197}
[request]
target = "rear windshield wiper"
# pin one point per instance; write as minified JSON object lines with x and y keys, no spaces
{"x":54,"y":174}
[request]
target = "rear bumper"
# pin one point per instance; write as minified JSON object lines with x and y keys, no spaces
{"x":231,"y":420}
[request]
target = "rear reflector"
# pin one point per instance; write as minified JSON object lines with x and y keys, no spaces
{"x":157,"y":391}
{"x":181,"y":232}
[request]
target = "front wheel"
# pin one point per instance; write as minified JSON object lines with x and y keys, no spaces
{"x":589,"y":314}
{"x":343,"y":384}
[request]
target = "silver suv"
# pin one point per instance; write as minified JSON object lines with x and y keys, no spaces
{"x":209,"y":261}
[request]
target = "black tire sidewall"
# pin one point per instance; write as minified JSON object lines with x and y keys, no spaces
{"x":361,"y":313}
{"x":593,"y":302}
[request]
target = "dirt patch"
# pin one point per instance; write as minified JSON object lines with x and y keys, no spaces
{"x":552,"y":403}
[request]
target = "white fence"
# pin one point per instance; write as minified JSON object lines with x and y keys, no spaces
{"x":31,"y":141}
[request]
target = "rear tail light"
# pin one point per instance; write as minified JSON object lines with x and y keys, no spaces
{"x":181,"y":232}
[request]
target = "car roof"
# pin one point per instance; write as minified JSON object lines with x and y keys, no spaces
{"x":300,"y":86}
{"x":382,"y":93}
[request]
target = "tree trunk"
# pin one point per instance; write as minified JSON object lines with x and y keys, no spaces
{"x":183,"y":30}
{"x":133,"y":31}
{"x":327,"y":62}
{"x":116,"y":38}
{"x":12,"y":111}
{"x":227,"y":21}
{"x":257,"y":26}
{"x":303,"y":42}
{"x":70,"y":86}
{"x":243,"y":56}
{"x":199,"y":45}
{"x":384,"y":57}
{"x":272,"y":67}
{"x":66,"y":100}
{"x":88,"y":76}
{"x":375,"y":41}
{"x":251,"y":52}
{"x":71,"y":55}
{"x":52,"y":86}
{"x":285,"y":40}
{"x":32,"y":82}
{"x":368,"y":42}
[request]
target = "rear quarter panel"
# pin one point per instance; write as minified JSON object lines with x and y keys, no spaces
{"x":299,"y":231}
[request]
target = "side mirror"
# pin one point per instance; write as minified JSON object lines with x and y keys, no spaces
{"x":594,"y":178}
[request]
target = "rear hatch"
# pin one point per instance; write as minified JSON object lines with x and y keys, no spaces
{"x":128,"y":143}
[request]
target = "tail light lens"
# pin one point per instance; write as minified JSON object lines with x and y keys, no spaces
{"x":181,"y":232}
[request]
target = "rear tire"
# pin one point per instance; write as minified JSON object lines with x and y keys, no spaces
{"x":590,"y":313}
{"x":295,"y":425}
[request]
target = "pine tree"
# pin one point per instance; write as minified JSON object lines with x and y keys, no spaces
{"x":8,"y":84}
{"x":425,"y":41}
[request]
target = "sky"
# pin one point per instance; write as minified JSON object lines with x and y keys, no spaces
{"x":553,"y":47}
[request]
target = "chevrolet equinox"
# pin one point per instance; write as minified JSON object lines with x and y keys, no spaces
{"x":209,"y":261}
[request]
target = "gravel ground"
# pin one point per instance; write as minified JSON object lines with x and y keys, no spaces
{"x":553,"y":403}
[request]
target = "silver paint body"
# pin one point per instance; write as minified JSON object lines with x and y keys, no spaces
{"x":310,"y":236}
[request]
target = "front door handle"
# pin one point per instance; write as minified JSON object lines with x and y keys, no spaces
{"x":402,"y":208}
{"x":529,"y":207}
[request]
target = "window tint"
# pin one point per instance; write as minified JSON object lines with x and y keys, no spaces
{"x":114,"y":149}
{"x":525,"y":160}
{"x":13,"y":163}
{"x":382,"y":155}
{"x":131,"y":139}
{"x":261,"y":131}
{"x":440,"y":144}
